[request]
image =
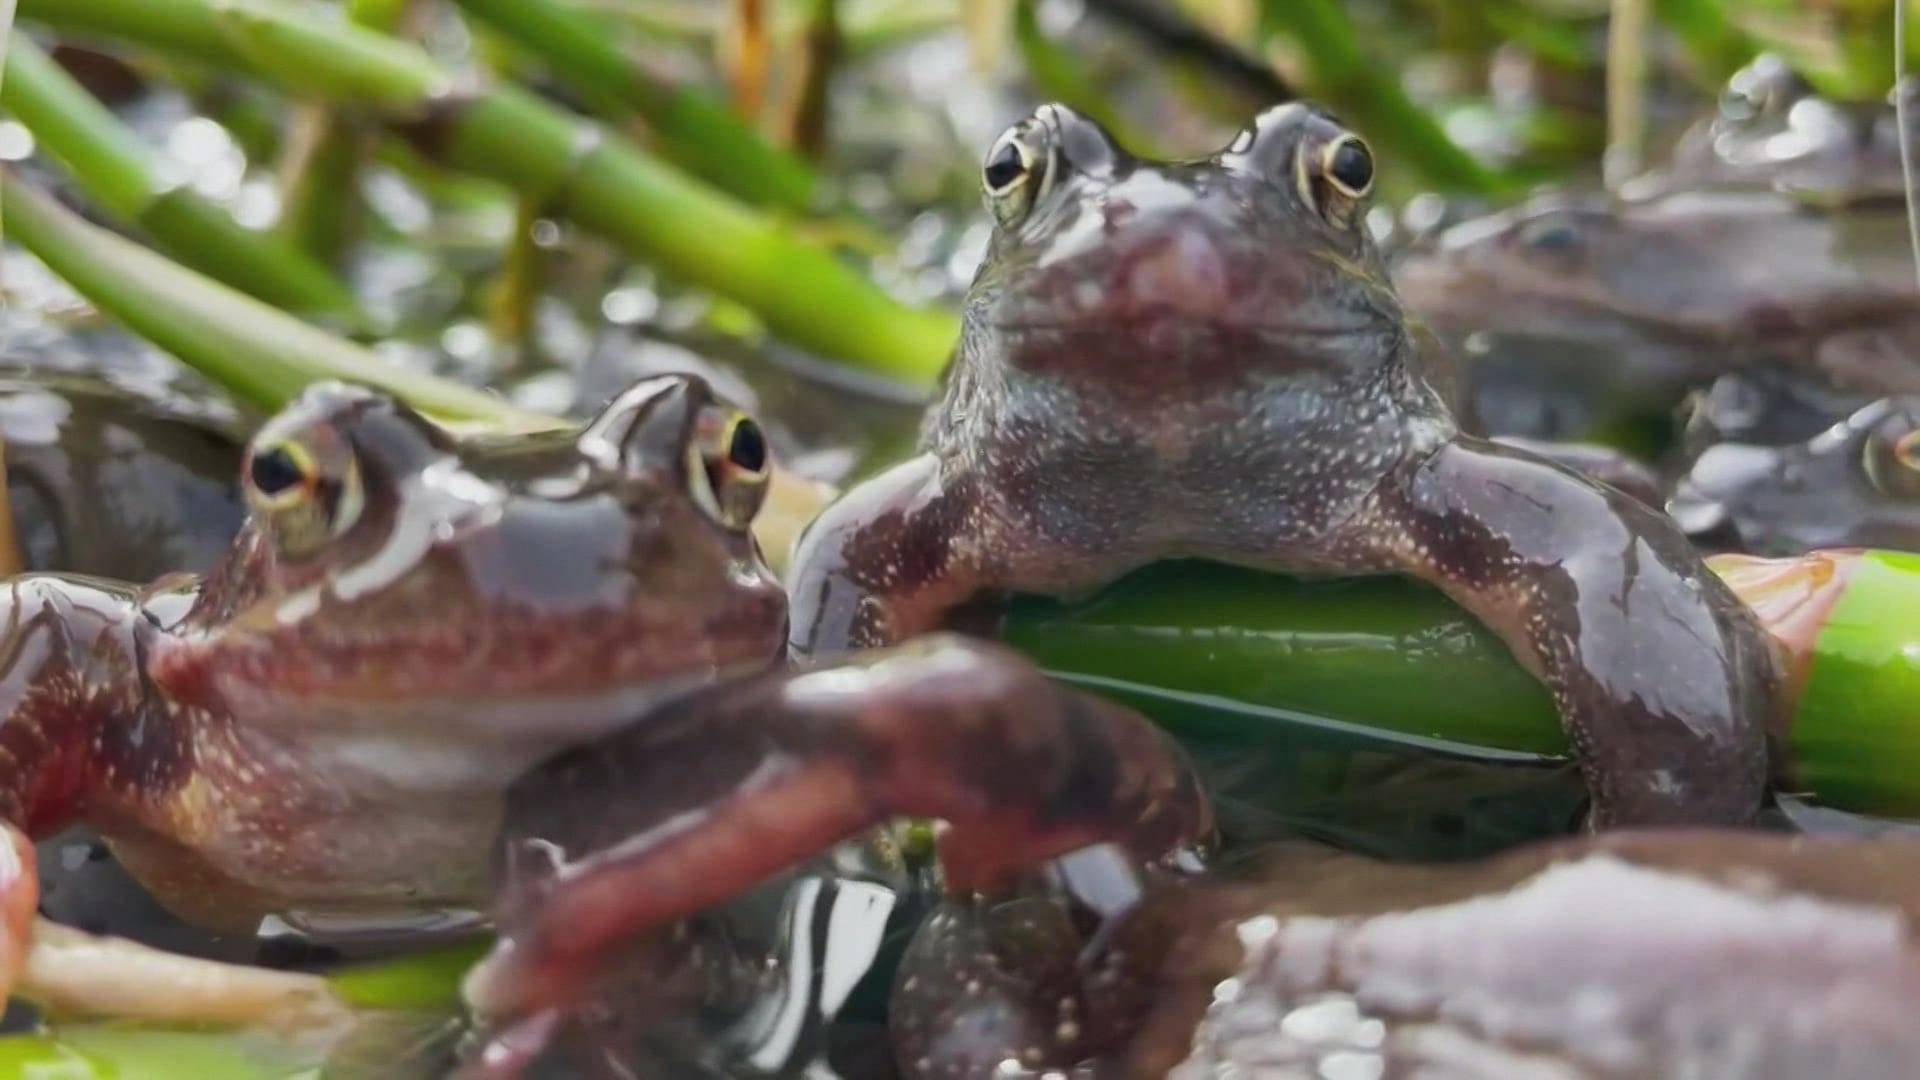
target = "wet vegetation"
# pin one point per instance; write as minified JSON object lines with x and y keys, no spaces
{"x":1664,"y":243}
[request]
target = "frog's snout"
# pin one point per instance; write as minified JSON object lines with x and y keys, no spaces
{"x":1180,"y":271}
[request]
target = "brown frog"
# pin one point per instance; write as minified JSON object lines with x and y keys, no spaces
{"x":1572,"y":309}
{"x":1206,"y":359}
{"x":325,"y":723}
{"x":1856,"y":484}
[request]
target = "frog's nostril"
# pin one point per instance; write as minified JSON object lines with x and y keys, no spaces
{"x":1184,"y":271}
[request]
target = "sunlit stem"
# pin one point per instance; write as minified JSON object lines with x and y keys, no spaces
{"x":1626,"y":91}
{"x":1902,"y":90}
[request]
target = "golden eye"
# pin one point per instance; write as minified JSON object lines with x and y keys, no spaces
{"x":728,"y":467}
{"x":1017,"y":172}
{"x":1906,"y":451}
{"x":1892,"y":464}
{"x":298,"y":499}
{"x":1348,"y":166}
{"x":280,"y":474}
{"x":1335,"y":178}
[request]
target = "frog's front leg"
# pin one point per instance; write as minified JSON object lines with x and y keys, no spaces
{"x":71,"y":694}
{"x":1665,"y":682}
{"x":886,"y":561}
{"x":724,"y":788}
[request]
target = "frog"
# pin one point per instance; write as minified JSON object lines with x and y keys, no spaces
{"x":610,"y":851}
{"x":1771,"y":130}
{"x":1574,"y":309}
{"x":323,"y":724}
{"x":1771,"y":955}
{"x":115,"y":481}
{"x":1857,"y":484}
{"x":1207,"y":359}
{"x":1157,"y":957}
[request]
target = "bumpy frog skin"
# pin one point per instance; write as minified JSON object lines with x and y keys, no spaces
{"x":326,"y":722}
{"x":1648,"y":301}
{"x":1658,"y":953}
{"x":1206,"y":360}
{"x":1856,"y":484}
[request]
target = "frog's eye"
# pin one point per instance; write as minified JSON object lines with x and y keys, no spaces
{"x":1552,"y":235}
{"x":728,"y":467}
{"x":1336,"y":177}
{"x":1892,"y":464}
{"x":1017,"y":173}
{"x":1348,"y":166}
{"x":301,"y":498}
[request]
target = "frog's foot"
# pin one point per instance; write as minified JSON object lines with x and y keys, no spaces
{"x":1667,"y":684}
{"x":19,"y":903}
{"x":725,"y":787}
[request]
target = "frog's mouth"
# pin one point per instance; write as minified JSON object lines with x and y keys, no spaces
{"x":1185,"y":286}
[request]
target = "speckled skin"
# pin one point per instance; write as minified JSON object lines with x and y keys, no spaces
{"x":1200,"y":360}
{"x":1689,"y":953}
{"x":1648,"y":301}
{"x":1656,"y":953}
{"x":718,"y":790}
{"x":329,"y":730}
{"x":1856,"y":484}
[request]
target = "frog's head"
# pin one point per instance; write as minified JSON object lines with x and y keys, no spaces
{"x":1857,"y":484}
{"x":1253,"y":262}
{"x":390,"y":575}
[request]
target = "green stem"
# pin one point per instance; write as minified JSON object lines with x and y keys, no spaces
{"x":697,"y":131}
{"x":113,"y":168}
{"x":189,"y":30}
{"x":1234,"y":657}
{"x":321,"y":210}
{"x":823,"y":47}
{"x":259,"y":353}
{"x":514,"y":294}
{"x":1856,"y":734}
{"x":802,"y":292}
{"x":1626,"y":91}
{"x":1371,"y":94}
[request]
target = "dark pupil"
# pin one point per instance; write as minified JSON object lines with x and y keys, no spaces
{"x":274,"y":472}
{"x":1006,"y":167}
{"x":748,"y":450}
{"x":1558,"y":236}
{"x":1352,"y":165}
